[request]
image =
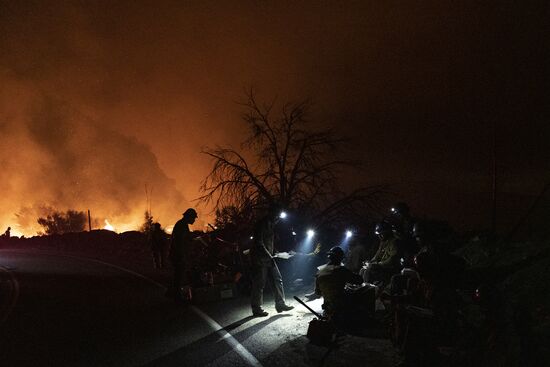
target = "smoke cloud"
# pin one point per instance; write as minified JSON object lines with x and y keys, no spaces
{"x":99,"y":98}
{"x":54,"y":156}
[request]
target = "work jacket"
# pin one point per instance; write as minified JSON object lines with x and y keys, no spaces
{"x":330,"y":283}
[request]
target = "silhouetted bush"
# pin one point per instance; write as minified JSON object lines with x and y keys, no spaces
{"x":63,"y":222}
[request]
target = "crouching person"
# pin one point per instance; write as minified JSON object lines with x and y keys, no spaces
{"x":339,"y":305}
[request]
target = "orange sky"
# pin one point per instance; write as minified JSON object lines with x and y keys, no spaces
{"x":100,"y":98}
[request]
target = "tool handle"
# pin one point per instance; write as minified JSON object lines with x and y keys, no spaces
{"x":309,"y":308}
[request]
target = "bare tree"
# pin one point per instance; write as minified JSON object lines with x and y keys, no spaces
{"x":283,"y":161}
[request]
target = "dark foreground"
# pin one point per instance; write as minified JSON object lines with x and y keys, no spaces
{"x":65,"y":310}
{"x":93,"y":299}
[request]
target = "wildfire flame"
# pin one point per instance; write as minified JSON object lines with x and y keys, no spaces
{"x":16,"y":233}
{"x":108,"y":226}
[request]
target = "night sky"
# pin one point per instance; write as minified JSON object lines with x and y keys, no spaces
{"x":99,"y":98}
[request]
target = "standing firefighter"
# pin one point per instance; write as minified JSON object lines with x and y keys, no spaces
{"x":264,"y":266}
{"x":157,"y":240}
{"x":179,"y":253}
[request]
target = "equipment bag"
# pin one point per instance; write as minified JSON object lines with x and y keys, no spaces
{"x":321,"y":332}
{"x":361,"y":297}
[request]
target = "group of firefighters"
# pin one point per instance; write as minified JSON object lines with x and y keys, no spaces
{"x":263,"y":265}
{"x":409,"y":272}
{"x":412,"y":273}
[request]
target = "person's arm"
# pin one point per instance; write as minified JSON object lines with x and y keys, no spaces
{"x":353,"y":278}
{"x":377,"y":254}
{"x":317,"y":289}
{"x":316,"y":292}
{"x":186,"y":235}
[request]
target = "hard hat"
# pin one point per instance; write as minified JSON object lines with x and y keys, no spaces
{"x":400,"y":208}
{"x":336,"y":254}
{"x":190,"y":213}
{"x":382,"y":228}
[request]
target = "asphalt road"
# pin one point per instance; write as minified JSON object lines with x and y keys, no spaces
{"x":68,"y":311}
{"x":60,"y":310}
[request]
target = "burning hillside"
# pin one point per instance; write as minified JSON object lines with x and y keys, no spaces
{"x":53,"y":157}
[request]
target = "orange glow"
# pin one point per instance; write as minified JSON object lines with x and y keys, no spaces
{"x":108,"y":226}
{"x":16,"y":233}
{"x":121,"y":226}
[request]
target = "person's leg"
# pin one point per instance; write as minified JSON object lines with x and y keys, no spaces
{"x":259,"y":274}
{"x":363,"y":272}
{"x":160,"y":259}
{"x":398,"y":284}
{"x":366,"y":273}
{"x":176,"y":283}
{"x":156,"y":259}
{"x":278,"y":290}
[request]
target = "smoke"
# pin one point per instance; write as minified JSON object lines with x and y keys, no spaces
{"x":53,"y":156}
{"x":93,"y":93}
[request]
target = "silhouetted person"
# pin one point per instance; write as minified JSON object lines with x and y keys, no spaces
{"x":450,"y":268}
{"x":434,"y":294}
{"x":402,"y":220}
{"x":402,"y":224}
{"x":264,"y":266}
{"x":357,"y":254}
{"x":157,"y":241}
{"x":424,"y":240}
{"x":179,"y":253}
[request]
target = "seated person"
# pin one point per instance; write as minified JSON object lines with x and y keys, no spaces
{"x":432,"y":291}
{"x":386,"y":261}
{"x":449,"y":268}
{"x":331,"y":281}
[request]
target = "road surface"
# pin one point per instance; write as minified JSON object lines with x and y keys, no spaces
{"x":60,"y":310}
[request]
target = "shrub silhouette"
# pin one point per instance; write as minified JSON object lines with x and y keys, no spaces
{"x":63,"y":222}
